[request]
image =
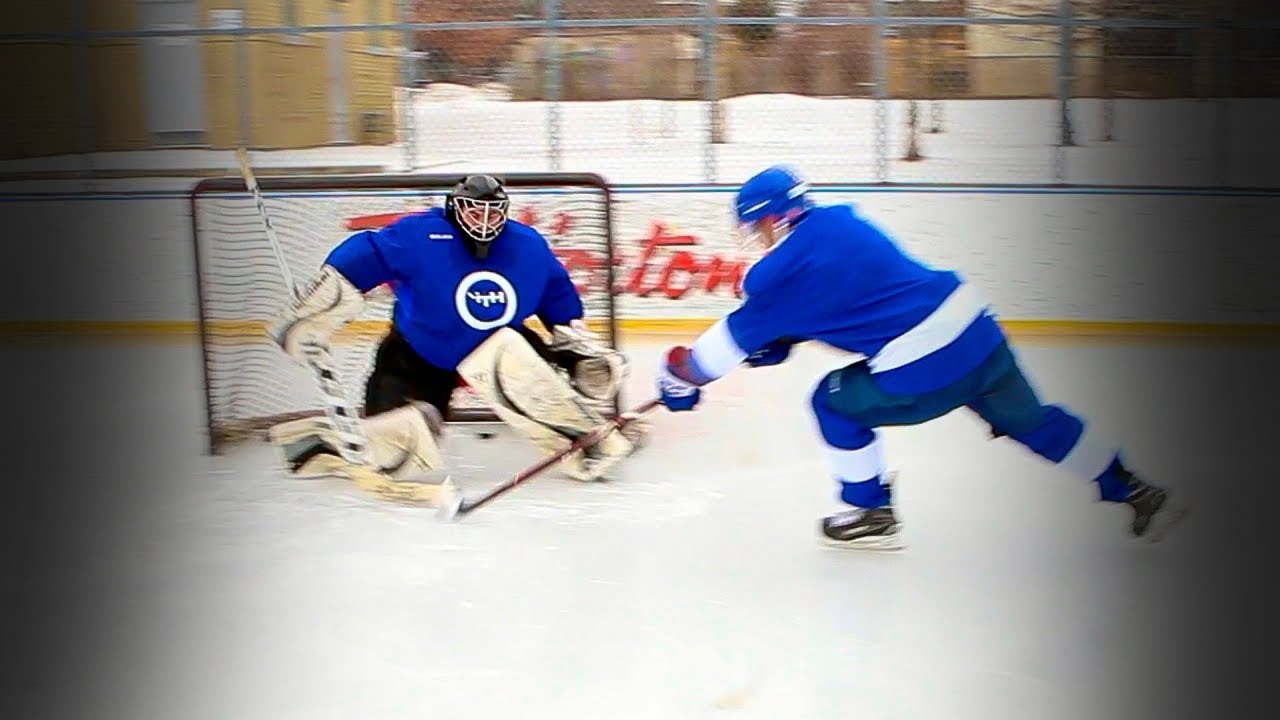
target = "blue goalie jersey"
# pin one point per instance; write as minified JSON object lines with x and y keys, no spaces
{"x":447,"y":301}
{"x":839,"y":280}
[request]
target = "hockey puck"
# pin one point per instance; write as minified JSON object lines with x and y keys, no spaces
{"x":485,"y":435}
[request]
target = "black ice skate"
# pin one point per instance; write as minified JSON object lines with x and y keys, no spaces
{"x":860,"y":529}
{"x":1154,"y":511}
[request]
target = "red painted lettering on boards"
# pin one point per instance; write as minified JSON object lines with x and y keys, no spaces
{"x":661,"y":267}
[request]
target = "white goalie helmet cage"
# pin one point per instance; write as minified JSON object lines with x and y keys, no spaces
{"x":478,"y":206}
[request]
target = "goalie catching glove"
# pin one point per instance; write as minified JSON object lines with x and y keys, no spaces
{"x":595,"y":369}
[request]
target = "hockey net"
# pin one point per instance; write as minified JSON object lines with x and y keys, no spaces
{"x":250,"y":384}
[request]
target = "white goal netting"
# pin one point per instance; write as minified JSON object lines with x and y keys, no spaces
{"x":250,"y":383}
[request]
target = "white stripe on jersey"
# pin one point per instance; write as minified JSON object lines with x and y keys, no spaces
{"x":716,"y":352}
{"x":941,"y":328}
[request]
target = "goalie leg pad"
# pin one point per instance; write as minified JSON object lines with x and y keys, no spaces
{"x":440,"y":494}
{"x":403,"y":443}
{"x":536,"y":401}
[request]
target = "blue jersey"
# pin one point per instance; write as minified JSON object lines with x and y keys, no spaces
{"x":447,"y":301}
{"x":839,"y":280}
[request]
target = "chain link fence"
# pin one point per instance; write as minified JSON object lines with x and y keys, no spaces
{"x":666,"y":91}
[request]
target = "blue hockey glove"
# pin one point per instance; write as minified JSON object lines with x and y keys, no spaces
{"x":775,"y":353}
{"x":677,"y":393}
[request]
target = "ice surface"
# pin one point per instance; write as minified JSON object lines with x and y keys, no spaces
{"x":690,"y":586}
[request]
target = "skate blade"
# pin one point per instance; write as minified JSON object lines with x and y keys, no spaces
{"x":878,"y":543}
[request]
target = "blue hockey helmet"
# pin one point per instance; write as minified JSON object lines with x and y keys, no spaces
{"x":777,"y":193}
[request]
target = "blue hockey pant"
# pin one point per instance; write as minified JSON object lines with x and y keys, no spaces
{"x":849,"y":406}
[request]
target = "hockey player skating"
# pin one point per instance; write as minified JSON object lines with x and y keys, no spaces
{"x":931,"y":346}
{"x":465,"y":278}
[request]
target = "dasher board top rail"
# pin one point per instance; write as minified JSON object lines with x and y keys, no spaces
{"x":389,"y":181}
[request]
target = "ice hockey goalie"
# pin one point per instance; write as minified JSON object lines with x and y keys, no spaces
{"x":466,"y":278}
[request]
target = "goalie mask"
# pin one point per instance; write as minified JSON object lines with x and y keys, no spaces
{"x":478,"y":206}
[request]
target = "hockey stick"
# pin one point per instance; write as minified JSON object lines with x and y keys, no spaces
{"x":461,"y":506}
{"x":345,"y":420}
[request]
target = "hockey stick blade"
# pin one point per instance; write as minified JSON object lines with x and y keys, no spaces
{"x":461,"y":507}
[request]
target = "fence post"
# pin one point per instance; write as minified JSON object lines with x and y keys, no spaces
{"x":1066,"y":69}
{"x":554,"y":80}
{"x":1223,"y":89}
{"x":937,"y":61}
{"x":710,"y":89}
{"x":408,"y":74}
{"x":1066,"y":36}
{"x":1106,"y":71}
{"x":244,"y":116}
{"x":83,"y":88}
{"x":879,"y":67}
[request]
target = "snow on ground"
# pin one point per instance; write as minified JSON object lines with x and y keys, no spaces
{"x":1164,"y":142}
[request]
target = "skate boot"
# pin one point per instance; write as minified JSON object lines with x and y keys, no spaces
{"x":1154,"y":511}
{"x":860,"y":529}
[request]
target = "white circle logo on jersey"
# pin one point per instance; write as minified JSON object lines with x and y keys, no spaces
{"x":485,"y":300}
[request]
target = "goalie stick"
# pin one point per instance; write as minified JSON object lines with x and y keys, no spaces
{"x":345,"y":420}
{"x":461,"y":506}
